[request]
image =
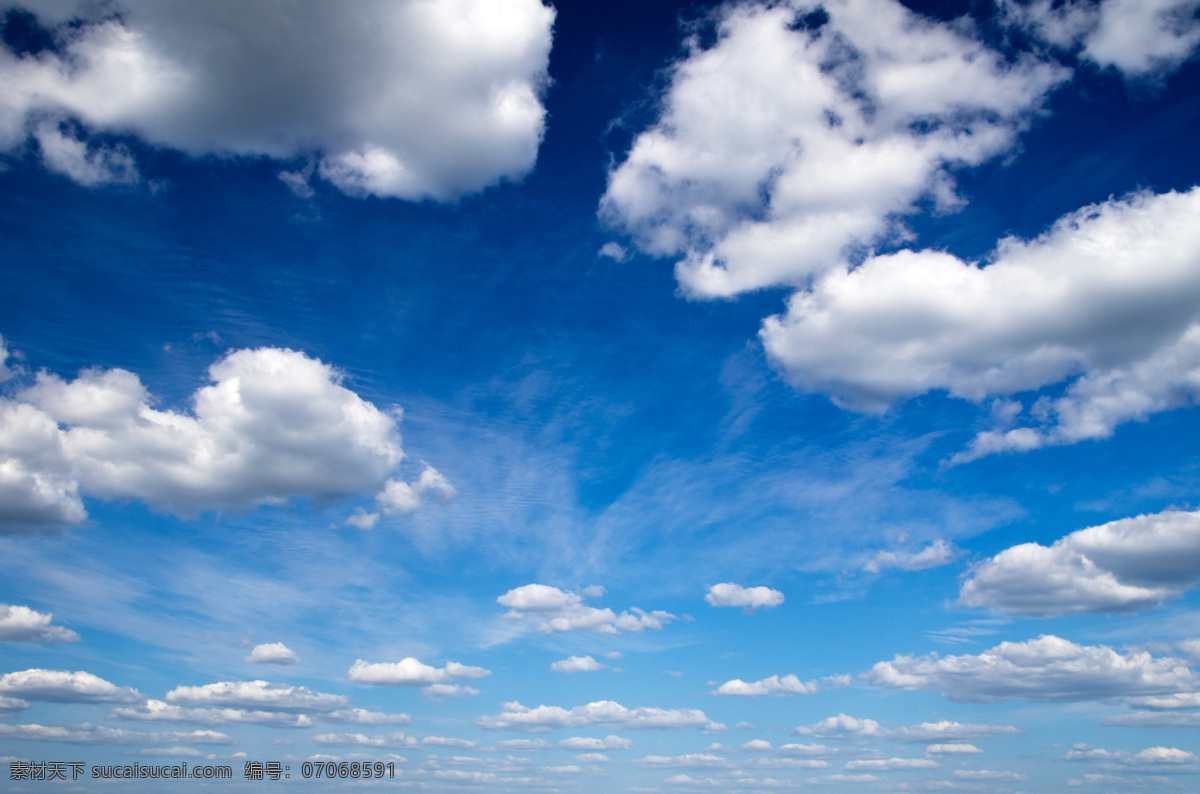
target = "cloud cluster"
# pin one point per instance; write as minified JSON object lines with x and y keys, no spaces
{"x":1047,"y":668}
{"x":22,"y":624}
{"x":807,"y":129}
{"x":417,"y":99}
{"x":934,"y":555}
{"x":728,"y":594}
{"x":412,"y":672}
{"x":1122,"y":566}
{"x":1151,"y":757}
{"x":577,"y":664}
{"x":774,"y":685}
{"x":274,"y":424}
{"x":551,"y":610}
{"x":273,"y":653}
{"x":1108,"y":292}
{"x":255,"y":695}
{"x":1138,"y":37}
{"x":60,"y":686}
{"x":515,"y":717}
{"x":843,"y":727}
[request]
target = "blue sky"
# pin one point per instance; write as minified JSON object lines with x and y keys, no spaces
{"x":637,"y":396}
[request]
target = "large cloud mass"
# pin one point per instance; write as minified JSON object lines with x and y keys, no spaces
{"x":1047,"y":668}
{"x":274,"y":424}
{"x":415,"y":99}
{"x":789,"y":140}
{"x":1106,"y":290}
{"x":1122,"y":566}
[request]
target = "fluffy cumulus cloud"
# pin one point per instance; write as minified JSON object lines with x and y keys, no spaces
{"x":728,"y":594}
{"x":274,"y":424}
{"x":1108,"y":293}
{"x":255,"y":695}
{"x":807,"y":129}
{"x":273,"y":653}
{"x":1047,"y":668}
{"x":59,"y":686}
{"x":577,"y":664}
{"x":1138,"y":37}
{"x":550,"y":610}
{"x":774,"y":685}
{"x":416,"y":99}
{"x":1122,"y":566}
{"x":515,"y":717}
{"x":22,"y":624}
{"x":412,"y":672}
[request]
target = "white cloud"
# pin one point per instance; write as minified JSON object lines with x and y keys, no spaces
{"x":363,"y":520}
{"x":255,"y":695}
{"x":59,"y":686}
{"x":1048,"y":668}
{"x":414,"y":99}
{"x":947,"y":731}
{"x":410,"y":672}
{"x":1040,"y":313}
{"x":449,"y":691}
{"x":443,"y":741}
{"x":728,"y":594}
{"x":514,"y":716}
{"x":86,"y":733}
{"x":90,"y":166}
{"x":774,"y":685}
{"x":934,"y":555}
{"x":614,"y":251}
{"x":892,"y":764}
{"x":592,"y":758}
{"x":837,"y":780}
{"x":1150,"y":757}
{"x":394,"y":739}
{"x":577,"y":664}
{"x":550,"y":610}
{"x":1122,"y":566}
{"x":1138,"y":37}
{"x":956,"y":748}
{"x":843,"y":726}
{"x":161,"y":711}
{"x":687,"y":761}
{"x":22,"y":624}
{"x":779,"y":147}
{"x":274,"y":424}
{"x":1154,"y":719}
{"x":609,"y":742}
{"x":400,"y":498}
{"x":988,"y":774}
{"x":365,"y":717}
{"x":525,"y":745}
{"x":273,"y":653}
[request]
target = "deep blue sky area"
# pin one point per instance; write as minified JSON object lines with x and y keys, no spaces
{"x":631,"y":396}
